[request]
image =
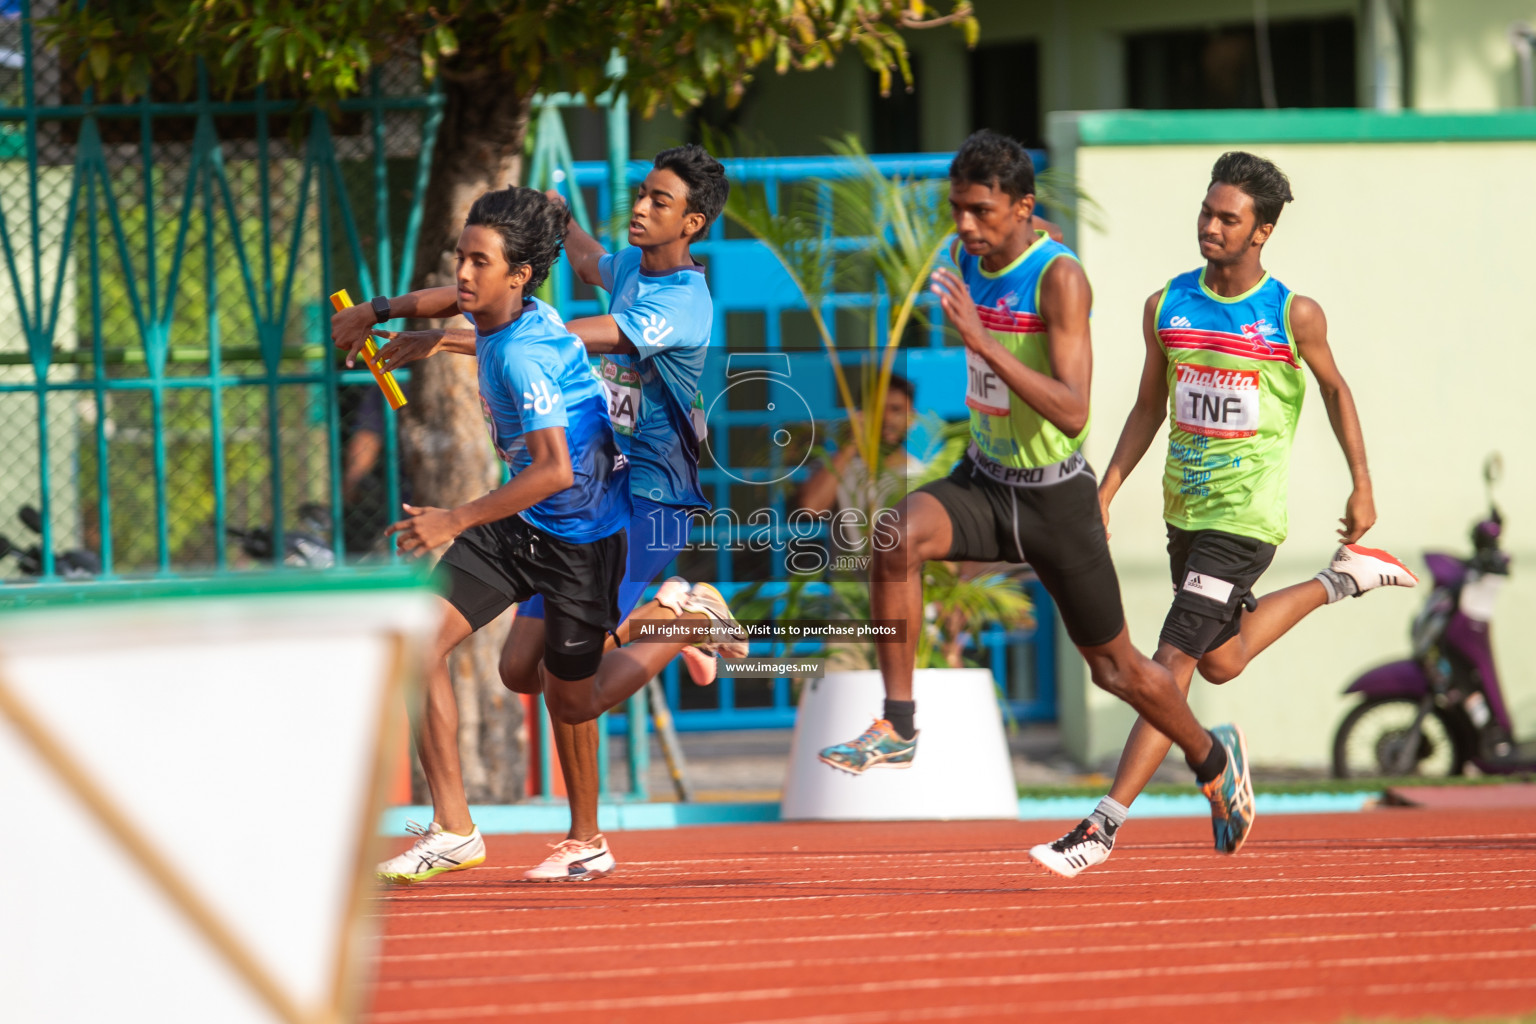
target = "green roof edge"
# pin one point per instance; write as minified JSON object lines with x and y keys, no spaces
{"x":1175,"y":127}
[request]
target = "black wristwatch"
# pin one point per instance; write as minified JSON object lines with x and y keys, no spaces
{"x":380,"y":306}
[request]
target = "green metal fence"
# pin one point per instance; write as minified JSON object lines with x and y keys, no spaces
{"x":164,"y":268}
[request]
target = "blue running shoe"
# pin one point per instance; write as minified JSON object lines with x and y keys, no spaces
{"x":879,"y":747}
{"x":1231,"y":792}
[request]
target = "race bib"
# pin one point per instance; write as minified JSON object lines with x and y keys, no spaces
{"x":984,"y":389}
{"x":1216,"y":402}
{"x":700,"y":424}
{"x":623,"y":386}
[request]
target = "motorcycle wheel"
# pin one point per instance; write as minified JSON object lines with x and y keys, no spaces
{"x":1363,"y":745}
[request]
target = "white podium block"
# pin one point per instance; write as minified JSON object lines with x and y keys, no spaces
{"x":962,"y":768}
{"x":190,"y":779}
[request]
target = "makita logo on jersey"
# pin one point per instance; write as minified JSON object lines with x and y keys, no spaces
{"x":1217,"y":377}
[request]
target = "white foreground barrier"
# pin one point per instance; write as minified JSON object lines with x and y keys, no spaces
{"x":962,"y":768}
{"x":190,"y":782}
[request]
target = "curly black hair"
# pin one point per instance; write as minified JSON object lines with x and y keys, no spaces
{"x":1268,"y":186}
{"x":532,"y":228}
{"x":704,"y":176}
{"x":988,"y":158}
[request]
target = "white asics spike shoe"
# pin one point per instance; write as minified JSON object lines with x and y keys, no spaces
{"x":432,"y":854}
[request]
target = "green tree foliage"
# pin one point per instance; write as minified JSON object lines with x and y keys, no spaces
{"x":678,"y":51}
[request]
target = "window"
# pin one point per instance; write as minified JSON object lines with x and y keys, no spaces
{"x":1213,"y":68}
{"x":1005,"y":91}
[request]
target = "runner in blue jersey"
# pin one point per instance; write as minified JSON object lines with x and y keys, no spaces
{"x":556,"y":529}
{"x":652,"y":346}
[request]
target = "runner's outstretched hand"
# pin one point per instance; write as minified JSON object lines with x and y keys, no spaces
{"x":1359,"y":515}
{"x":406,"y":347}
{"x":427,"y":528}
{"x":350,"y":328}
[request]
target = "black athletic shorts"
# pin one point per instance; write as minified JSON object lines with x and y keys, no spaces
{"x":495,"y":565}
{"x":1213,"y":575}
{"x":1057,"y":528}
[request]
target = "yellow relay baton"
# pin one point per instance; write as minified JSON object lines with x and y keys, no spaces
{"x":387,"y":383}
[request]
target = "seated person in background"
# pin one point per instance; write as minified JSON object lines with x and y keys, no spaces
{"x":842,"y":482}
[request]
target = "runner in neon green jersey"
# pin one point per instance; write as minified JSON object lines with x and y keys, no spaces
{"x":1024,"y":492}
{"x":1224,"y":352}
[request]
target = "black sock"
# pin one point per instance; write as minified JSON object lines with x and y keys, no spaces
{"x":1215,"y":762}
{"x":899,"y":713}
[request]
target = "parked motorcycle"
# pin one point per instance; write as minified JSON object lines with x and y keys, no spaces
{"x":70,"y":564}
{"x":1441,"y":709}
{"x":302,"y":547}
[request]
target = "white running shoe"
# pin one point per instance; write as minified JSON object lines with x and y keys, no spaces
{"x":730,"y":639}
{"x":432,"y":854}
{"x":1084,"y":847}
{"x":1371,"y":568}
{"x":574,"y":861}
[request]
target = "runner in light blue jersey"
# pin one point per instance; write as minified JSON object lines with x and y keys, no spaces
{"x":555,"y":528}
{"x":654,"y":394}
{"x":651,"y":347}
{"x":533,"y":375}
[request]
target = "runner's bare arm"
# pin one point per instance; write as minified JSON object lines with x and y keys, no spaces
{"x":1311,"y":340}
{"x":550,"y":473}
{"x":1146,"y":415}
{"x":581,"y":249}
{"x":350,"y":327}
{"x":1065,"y":298}
{"x":601,"y":335}
{"x":1051,"y":228}
{"x":403,"y":348}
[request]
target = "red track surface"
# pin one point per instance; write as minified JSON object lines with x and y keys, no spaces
{"x":1392,"y":913}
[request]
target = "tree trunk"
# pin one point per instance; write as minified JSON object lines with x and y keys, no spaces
{"x":448,"y":455}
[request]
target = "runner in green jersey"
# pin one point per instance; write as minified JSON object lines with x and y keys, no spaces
{"x":1224,"y":352}
{"x":1024,"y":492}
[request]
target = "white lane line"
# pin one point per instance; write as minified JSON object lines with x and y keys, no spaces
{"x":1120,"y":868}
{"x":1286,"y":848}
{"x":890,"y":985}
{"x":802,"y":962}
{"x":1096,"y":882}
{"x":1224,"y":919}
{"x":403,"y":914}
{"x":894,"y":1015}
{"x":550,"y":952}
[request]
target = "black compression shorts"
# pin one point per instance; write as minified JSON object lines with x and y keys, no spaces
{"x":496,"y":565}
{"x":1213,"y":575}
{"x":1057,"y":528}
